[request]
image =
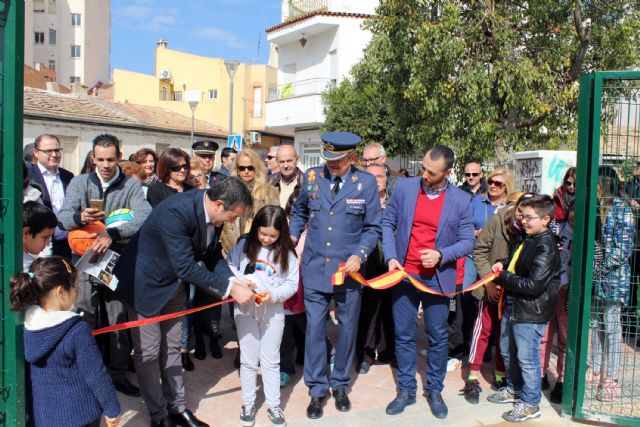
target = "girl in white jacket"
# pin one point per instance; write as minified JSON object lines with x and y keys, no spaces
{"x":267,"y":257}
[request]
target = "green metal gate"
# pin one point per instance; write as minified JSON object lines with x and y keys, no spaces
{"x":602,"y":381}
{"x":11,"y":92}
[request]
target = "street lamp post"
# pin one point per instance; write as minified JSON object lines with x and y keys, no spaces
{"x":232,"y":67}
{"x":193,"y":105}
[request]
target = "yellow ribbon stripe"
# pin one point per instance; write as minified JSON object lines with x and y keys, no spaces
{"x":392,"y":278}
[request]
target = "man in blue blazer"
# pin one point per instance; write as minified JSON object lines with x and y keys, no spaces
{"x":53,"y":180}
{"x":426,"y":227}
{"x":153,"y":271}
{"x":341,"y":207}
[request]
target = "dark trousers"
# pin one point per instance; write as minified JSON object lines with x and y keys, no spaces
{"x":375,"y":327}
{"x":456,"y":344}
{"x":295,"y":326}
{"x":101,"y":308}
{"x":315,"y":355}
{"x":157,"y":359}
{"x":406,"y":299}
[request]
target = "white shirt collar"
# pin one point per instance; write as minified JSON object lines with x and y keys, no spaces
{"x":206,"y":214}
{"x":45,"y":171}
{"x":106,"y":184}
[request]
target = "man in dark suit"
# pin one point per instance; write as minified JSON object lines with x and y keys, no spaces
{"x":53,"y":180}
{"x":426,"y":227}
{"x":341,"y":207}
{"x":153,"y":271}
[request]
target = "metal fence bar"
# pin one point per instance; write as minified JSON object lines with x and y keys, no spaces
{"x":12,"y":405}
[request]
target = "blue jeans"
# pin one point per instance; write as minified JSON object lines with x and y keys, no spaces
{"x":520,"y":347}
{"x":187,"y":320}
{"x":405,"y":299}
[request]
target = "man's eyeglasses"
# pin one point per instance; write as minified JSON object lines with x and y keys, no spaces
{"x":269,"y":157}
{"x":246,"y":168}
{"x":372,"y":160}
{"x":527,"y":218}
{"x":498,"y":184}
{"x":51,"y":152}
{"x":178,"y":168}
{"x":471,"y":174}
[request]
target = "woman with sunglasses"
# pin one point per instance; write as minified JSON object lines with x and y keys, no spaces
{"x":251,"y":170}
{"x":500,"y":184}
{"x":565,"y":195}
{"x":173,"y":169}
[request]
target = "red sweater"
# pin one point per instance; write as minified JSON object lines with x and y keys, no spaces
{"x":423,"y":232}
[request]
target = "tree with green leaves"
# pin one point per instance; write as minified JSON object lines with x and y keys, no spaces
{"x":486,"y":76}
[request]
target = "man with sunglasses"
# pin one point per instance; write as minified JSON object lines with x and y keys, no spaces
{"x":474,"y":182}
{"x":53,"y":180}
{"x":271,"y":161}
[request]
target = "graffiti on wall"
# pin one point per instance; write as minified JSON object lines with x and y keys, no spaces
{"x":529,"y":173}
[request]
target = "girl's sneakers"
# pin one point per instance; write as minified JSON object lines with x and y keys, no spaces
{"x":248,"y":415}
{"x":276,"y":415}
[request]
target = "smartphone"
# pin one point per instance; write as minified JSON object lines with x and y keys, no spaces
{"x":97,"y":204}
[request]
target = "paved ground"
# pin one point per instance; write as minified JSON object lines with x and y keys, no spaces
{"x":213,"y":392}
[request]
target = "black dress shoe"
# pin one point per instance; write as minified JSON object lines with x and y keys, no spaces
{"x":314,"y":410}
{"x":199,"y":351}
{"x":214,"y":347}
{"x":187,"y":364}
{"x":343,"y":404}
{"x":165,"y":422}
{"x":187,"y":419}
{"x":364,"y":368}
{"x":125,"y":387}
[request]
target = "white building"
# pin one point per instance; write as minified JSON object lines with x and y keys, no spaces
{"x":317,"y":42}
{"x":70,"y":36}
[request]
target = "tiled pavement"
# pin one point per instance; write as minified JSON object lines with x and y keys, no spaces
{"x":213,"y":392}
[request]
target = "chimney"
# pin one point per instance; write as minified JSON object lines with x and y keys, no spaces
{"x":162,"y":43}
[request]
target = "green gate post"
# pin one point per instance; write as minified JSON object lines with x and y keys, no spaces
{"x":590,"y":122}
{"x":12,"y":402}
{"x":583,"y":241}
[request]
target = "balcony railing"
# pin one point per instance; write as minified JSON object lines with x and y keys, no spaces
{"x":303,"y":7}
{"x":300,"y":88}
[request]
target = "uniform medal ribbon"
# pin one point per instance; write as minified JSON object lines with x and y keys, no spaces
{"x":392,"y":278}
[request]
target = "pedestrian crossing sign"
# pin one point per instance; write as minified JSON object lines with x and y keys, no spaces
{"x":235,"y":142}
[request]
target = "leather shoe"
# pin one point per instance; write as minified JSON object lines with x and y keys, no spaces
{"x":164,"y":422}
{"x":402,"y":400}
{"x":436,"y":404}
{"x":364,"y":368}
{"x":124,"y":386}
{"x":343,"y":404}
{"x":214,"y":347}
{"x":187,"y":364}
{"x":187,"y":419}
{"x":314,"y":410}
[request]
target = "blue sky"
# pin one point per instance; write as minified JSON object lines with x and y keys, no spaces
{"x":218,"y":28}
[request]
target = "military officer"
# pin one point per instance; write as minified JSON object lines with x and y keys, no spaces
{"x":341,"y":206}
{"x":205,"y":150}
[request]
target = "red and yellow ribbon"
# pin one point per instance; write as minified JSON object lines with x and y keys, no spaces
{"x":392,"y":278}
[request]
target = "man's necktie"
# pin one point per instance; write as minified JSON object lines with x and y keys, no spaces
{"x":336,"y":186}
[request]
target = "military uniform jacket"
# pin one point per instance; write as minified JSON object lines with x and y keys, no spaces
{"x":337,"y":228}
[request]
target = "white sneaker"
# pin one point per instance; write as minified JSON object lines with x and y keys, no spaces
{"x":453,"y":364}
{"x":276,"y":416}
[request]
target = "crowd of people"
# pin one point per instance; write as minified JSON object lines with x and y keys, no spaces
{"x":272,"y":237}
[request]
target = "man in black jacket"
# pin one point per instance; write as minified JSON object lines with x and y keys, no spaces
{"x":53,"y":180}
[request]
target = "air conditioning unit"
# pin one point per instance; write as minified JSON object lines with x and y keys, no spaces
{"x":165,"y":75}
{"x":254,"y":138}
